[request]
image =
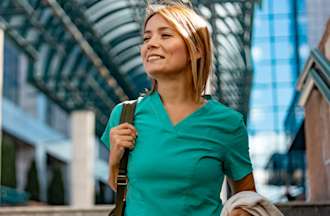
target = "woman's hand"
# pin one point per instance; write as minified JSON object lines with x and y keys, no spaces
{"x":121,"y":137}
{"x":239,"y":212}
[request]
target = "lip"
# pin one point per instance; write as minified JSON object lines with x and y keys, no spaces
{"x":156,"y":55}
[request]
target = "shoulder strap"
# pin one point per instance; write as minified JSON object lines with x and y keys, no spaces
{"x":127,"y":115}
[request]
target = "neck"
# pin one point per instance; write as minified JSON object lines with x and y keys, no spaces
{"x":174,"y":93}
{"x":176,"y":89}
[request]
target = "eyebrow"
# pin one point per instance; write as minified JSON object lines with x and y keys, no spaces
{"x":159,"y":29}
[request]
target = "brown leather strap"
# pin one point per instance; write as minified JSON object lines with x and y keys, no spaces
{"x":127,"y":115}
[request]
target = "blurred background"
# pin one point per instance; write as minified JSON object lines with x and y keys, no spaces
{"x":64,"y":64}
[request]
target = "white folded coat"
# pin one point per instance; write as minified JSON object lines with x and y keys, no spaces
{"x":251,"y":202}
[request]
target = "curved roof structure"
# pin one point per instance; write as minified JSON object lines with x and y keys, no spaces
{"x":85,"y":53}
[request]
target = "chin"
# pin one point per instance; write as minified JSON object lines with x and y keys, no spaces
{"x":153,"y":73}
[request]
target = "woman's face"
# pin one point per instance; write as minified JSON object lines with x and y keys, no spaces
{"x":163,"y":52}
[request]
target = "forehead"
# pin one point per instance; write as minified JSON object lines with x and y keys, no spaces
{"x":157,"y":22}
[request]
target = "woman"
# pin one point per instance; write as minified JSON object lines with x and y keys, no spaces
{"x":182,"y":144}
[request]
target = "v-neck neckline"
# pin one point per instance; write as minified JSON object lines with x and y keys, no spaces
{"x":165,"y":118}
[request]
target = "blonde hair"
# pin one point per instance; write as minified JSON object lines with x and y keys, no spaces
{"x":194,"y":31}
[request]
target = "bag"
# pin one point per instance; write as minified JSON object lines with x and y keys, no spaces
{"x":127,"y":115}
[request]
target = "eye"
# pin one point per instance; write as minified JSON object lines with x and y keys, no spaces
{"x":146,"y":39}
{"x":166,"y":35}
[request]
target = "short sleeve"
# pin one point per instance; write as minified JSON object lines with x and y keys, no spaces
{"x":237,"y":163}
{"x":112,"y":122}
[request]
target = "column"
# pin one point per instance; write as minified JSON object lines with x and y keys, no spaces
{"x":41,"y":163}
{"x":82,"y":164}
{"x":24,"y":157}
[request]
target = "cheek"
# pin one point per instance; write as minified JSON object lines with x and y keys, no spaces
{"x":143,"y":53}
{"x":186,"y":55}
{"x":182,"y":54}
{"x":180,"y":51}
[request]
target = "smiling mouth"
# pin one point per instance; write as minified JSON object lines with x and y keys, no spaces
{"x":154,"y":58}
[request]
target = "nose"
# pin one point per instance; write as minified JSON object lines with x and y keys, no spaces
{"x":153,"y":42}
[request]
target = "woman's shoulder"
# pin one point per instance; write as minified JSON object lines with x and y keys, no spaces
{"x":219,"y":108}
{"x":226,"y":117}
{"x":140,"y":102}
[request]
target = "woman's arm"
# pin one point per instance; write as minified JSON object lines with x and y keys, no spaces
{"x":245,"y":184}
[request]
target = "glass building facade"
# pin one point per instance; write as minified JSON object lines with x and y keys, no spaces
{"x":279,"y":49}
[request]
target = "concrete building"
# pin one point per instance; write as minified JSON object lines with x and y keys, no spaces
{"x":315,"y":98}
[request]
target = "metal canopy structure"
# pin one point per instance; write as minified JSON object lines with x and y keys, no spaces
{"x":85,"y":53}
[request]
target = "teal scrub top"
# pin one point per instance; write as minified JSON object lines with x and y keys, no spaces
{"x":179,"y":169}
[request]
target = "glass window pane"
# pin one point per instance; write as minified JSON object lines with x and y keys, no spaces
{"x":301,"y":6}
{"x":261,"y":119}
{"x":284,"y":96}
{"x":261,"y":52}
{"x":262,"y":74}
{"x":261,"y":28}
{"x":281,"y":6}
{"x":282,"y":27}
{"x":264,"y":10}
{"x":281,"y":118}
{"x":10,"y":76}
{"x":283,"y":50}
{"x":284,"y":73}
{"x":302,"y":29}
{"x":262,"y":97}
